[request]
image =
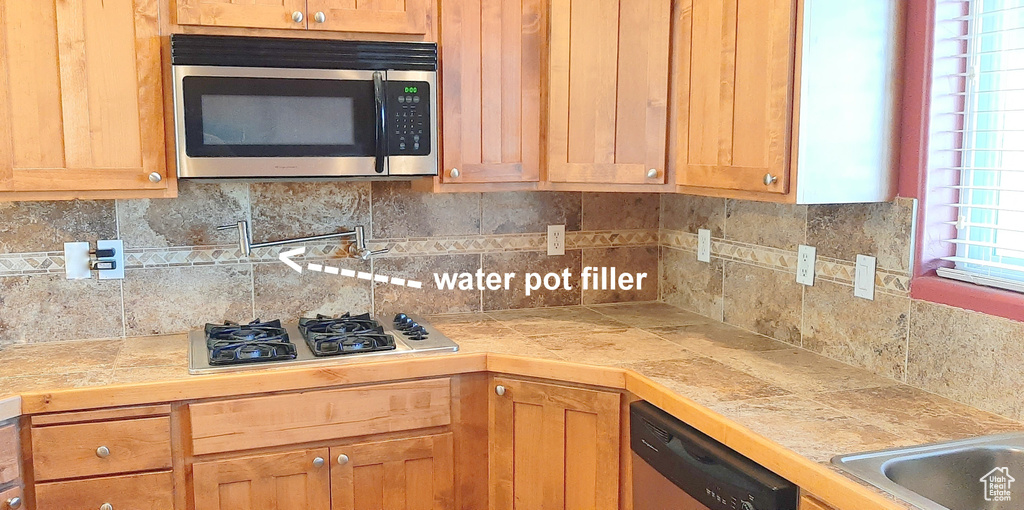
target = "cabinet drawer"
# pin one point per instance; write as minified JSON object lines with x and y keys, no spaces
{"x":7,"y":495}
{"x":69,"y":451}
{"x":9,"y":468}
{"x":151,"y":491}
{"x":278,"y":420}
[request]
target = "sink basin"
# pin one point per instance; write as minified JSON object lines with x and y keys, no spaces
{"x":972,"y":474}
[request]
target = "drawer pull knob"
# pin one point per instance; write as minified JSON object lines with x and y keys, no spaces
{"x":770,"y":179}
{"x":103,"y":452}
{"x":320,"y":17}
{"x":318,"y":462}
{"x":454,"y":173}
{"x":343,"y":459}
{"x":297,"y":16}
{"x":652,"y":173}
{"x":106,"y":506}
{"x":500,"y":390}
{"x":155,"y":177}
{"x":14,"y":503}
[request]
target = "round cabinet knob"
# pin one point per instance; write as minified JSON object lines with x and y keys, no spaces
{"x":500,"y":390}
{"x":106,"y":506}
{"x":155,"y":177}
{"x":14,"y":503}
{"x":343,"y":459}
{"x":103,"y":452}
{"x":770,"y":179}
{"x":455,"y":173}
{"x":652,"y":173}
{"x":320,"y":17}
{"x":297,"y":17}
{"x":318,"y":462}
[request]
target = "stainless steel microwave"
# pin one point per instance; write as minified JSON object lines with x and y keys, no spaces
{"x":256,"y":107}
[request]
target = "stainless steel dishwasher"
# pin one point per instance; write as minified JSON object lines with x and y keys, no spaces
{"x":676,"y":467}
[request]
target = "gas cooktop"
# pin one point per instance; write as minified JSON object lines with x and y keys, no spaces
{"x":322,"y":339}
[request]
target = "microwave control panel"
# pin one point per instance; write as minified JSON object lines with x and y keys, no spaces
{"x":408,"y":118}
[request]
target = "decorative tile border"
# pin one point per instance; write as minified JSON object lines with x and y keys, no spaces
{"x":21,"y":264}
{"x":837,"y":271}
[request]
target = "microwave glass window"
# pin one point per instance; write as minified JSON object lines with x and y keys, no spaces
{"x":277,"y":120}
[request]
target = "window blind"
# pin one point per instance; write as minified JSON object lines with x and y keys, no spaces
{"x":979,"y":73}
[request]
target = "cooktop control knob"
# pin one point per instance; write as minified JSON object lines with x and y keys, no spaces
{"x":400,"y":318}
{"x":746,"y":505}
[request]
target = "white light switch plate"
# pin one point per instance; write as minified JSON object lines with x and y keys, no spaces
{"x":805,"y":265}
{"x":864,"y":280}
{"x":704,"y":245}
{"x":76,"y":261}
{"x":556,"y":239}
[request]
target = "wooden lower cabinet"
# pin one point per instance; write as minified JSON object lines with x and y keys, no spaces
{"x":151,"y":491}
{"x":811,"y":503}
{"x":279,"y":481}
{"x":401,"y":474}
{"x":553,"y":447}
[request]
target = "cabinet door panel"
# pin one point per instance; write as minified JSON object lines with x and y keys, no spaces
{"x":740,"y":95}
{"x":243,"y":13}
{"x":377,"y":16}
{"x":282,"y":481}
{"x":554,"y":447}
{"x":81,"y":100}
{"x":402,"y":474}
{"x":609,"y":77}
{"x":491,"y":63}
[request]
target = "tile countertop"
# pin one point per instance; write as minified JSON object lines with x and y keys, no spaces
{"x":810,"y":404}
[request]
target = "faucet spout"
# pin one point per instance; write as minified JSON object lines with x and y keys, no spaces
{"x":245,"y":244}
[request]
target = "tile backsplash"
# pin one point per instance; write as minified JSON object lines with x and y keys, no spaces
{"x":751,"y":283}
{"x":181,"y":272}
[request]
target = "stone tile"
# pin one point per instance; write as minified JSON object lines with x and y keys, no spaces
{"x":780,"y":226}
{"x":691,"y":284}
{"x":649,"y":315}
{"x":391,"y":299}
{"x":523,"y":262}
{"x":913,"y":413}
{"x":763,"y":301}
{"x":296,"y":209}
{"x":568,"y":320}
{"x":400,"y":212}
{"x":882,"y":230}
{"x":136,"y":375}
{"x":813,"y":430}
{"x":861,"y":332}
{"x":282,"y":293}
{"x":46,"y":226}
{"x":688,"y":213}
{"x":191,"y":219}
{"x":610,"y":347}
{"x":530,"y":211}
{"x":71,"y":357}
{"x":54,"y":382}
{"x":44,"y":308}
{"x":635,"y":260}
{"x":690,"y":377}
{"x":717,"y":339}
{"x":488,"y":335}
{"x":620,"y":211}
{"x":798,"y":370}
{"x":967,"y":356}
{"x":153,"y":351}
{"x":179,"y":299}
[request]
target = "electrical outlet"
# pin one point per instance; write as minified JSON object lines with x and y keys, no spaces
{"x":805,"y":265}
{"x":864,"y":279}
{"x":556,"y":239}
{"x":704,"y":245}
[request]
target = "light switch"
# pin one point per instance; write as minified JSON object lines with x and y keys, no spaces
{"x":864,"y":279}
{"x":117,"y":271}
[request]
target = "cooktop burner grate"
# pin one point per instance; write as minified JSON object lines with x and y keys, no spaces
{"x":347,"y":334}
{"x":231,"y":343}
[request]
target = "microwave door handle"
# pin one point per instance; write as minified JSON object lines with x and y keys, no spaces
{"x":381,"y":132}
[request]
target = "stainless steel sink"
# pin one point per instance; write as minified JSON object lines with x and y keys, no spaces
{"x":973,"y":474}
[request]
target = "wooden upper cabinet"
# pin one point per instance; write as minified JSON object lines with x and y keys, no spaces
{"x":609,"y":83}
{"x":286,"y":14}
{"x":401,"y":474}
{"x":379,"y":16}
{"x":280,"y":481}
{"x":492,"y":57}
{"x":81,"y":99}
{"x":553,"y":447}
{"x":738,"y":128}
